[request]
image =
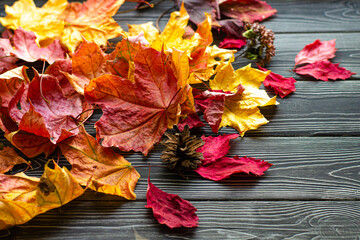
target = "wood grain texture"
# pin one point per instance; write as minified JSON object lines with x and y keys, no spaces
{"x":316,"y":109}
{"x":111,"y":219}
{"x":324,"y":168}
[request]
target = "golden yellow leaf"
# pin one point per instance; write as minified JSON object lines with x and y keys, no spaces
{"x":23,"y":197}
{"x":45,"y":22}
{"x":243,"y":113}
{"x":150,"y":32}
{"x":91,"y":20}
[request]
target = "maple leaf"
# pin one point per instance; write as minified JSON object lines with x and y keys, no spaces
{"x":192,"y":120}
{"x":316,"y":51}
{"x":30,"y":144}
{"x":324,"y":70}
{"x":27,"y":197}
{"x":109,"y":172}
{"x":230,"y":42}
{"x":136,"y":114}
{"x":45,"y":22}
{"x":202,"y":56}
{"x":88,"y":62}
{"x":242,"y":113}
{"x":212,"y":104}
{"x":52,"y":117}
{"x":281,"y":85}
{"x":26,"y":48}
{"x":10,"y":82}
{"x":215,"y":147}
{"x":91,"y":20}
{"x":170,"y":209}
{"x":246,"y":10}
{"x":224,"y":167}
{"x":9,"y":158}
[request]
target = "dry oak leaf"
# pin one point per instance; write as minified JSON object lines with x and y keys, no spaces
{"x":45,"y":22}
{"x":8,"y":159}
{"x":136,"y":114}
{"x":91,"y":20}
{"x":242,"y":113}
{"x":281,"y":85}
{"x":26,"y":48}
{"x":170,"y":209}
{"x":316,"y":51}
{"x":109,"y":172}
{"x":324,"y":70}
{"x":34,"y":196}
{"x":224,"y":167}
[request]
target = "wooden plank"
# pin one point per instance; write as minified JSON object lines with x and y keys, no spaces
{"x":218,"y":220}
{"x":317,"y":108}
{"x":304,"y":168}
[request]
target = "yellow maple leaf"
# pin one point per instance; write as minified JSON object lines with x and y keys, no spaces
{"x":23,"y":197}
{"x":45,"y":22}
{"x":242,"y":114}
{"x":202,"y":56}
{"x":91,"y":20}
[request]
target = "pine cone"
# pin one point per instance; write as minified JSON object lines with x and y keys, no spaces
{"x":180,"y":150}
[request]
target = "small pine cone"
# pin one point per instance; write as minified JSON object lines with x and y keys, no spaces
{"x":180,"y":150}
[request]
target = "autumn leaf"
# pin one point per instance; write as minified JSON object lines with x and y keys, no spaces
{"x":215,"y":147}
{"x":53,"y":117}
{"x":192,"y":120}
{"x":30,"y":144}
{"x":281,"y":85}
{"x":26,"y":48}
{"x":10,"y":82}
{"x":224,"y":167}
{"x":88,"y":62}
{"x":316,"y":51}
{"x":170,"y":209}
{"x":202,"y":56}
{"x":135,"y":115}
{"x":109,"y":172}
{"x":212,"y":104}
{"x":242,"y":113}
{"x":8,"y":159}
{"x":45,"y":22}
{"x":91,"y":20}
{"x":27,"y":197}
{"x":246,"y":10}
{"x":324,"y":70}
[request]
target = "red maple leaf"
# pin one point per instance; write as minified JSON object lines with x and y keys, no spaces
{"x":316,"y":51}
{"x":324,"y":70}
{"x":170,"y":209}
{"x":224,"y":167}
{"x":136,"y":114}
{"x":26,"y":48}
{"x":215,"y":147}
{"x":281,"y":85}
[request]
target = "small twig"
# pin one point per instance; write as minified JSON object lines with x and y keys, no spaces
{"x":41,"y":78}
{"x":159,"y":18}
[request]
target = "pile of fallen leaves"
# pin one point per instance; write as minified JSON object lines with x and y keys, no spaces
{"x":143,"y":87}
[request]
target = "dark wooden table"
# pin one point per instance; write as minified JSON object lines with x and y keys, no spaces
{"x":313,"y":139}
